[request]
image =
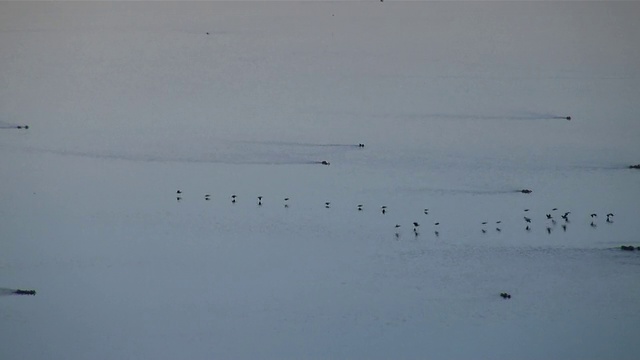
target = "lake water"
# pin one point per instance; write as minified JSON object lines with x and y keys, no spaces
{"x":459,"y":106}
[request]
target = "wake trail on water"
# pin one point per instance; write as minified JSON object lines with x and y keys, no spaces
{"x":261,"y":159}
{"x":485,"y":117}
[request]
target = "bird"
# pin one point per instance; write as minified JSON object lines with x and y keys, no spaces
{"x":233,"y":199}
{"x":207,"y":197}
{"x":554,"y":209}
{"x":397,"y":226}
{"x":498,"y":222}
{"x":484,"y":223}
{"x":594,"y":215}
{"x":527,"y":219}
{"x":436,"y":233}
{"x":259,"y":200}
{"x":528,"y":228}
{"x":286,"y":204}
{"x":178,"y":198}
{"x":359,"y":207}
{"x":593,"y":224}
{"x":548,"y":230}
{"x":549,"y":216}
{"x":384,"y":209}
{"x":426,"y":211}
{"x":416,"y":224}
{"x":526,"y":209}
{"x":484,"y":231}
{"x":327,"y":204}
{"x":498,"y":229}
{"x":564,"y":227}
{"x":438,"y":223}
{"x":179,"y":192}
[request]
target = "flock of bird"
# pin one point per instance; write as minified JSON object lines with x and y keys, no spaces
{"x":550,"y":217}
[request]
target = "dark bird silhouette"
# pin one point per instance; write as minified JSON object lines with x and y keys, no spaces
{"x":179,"y":192}
{"x":564,"y":227}
{"x":437,"y":233}
{"x":233,"y":199}
{"x":549,"y":216}
{"x":484,"y":231}
{"x":527,"y":219}
{"x":609,"y":220}
{"x":498,"y":229}
{"x":526,"y":209}
{"x":437,"y":224}
{"x":484,"y":223}
{"x":593,"y":224}
{"x":384,"y":209}
{"x":416,"y":224}
{"x":327,"y":205}
{"x":178,"y":198}
{"x":548,"y":230}
{"x":528,"y":228}
{"x":609,"y":214}
{"x":594,"y":215}
{"x":397,"y":226}
{"x":498,"y":222}
{"x":359,"y":207}
{"x":426,"y":211}
{"x":207,"y":197}
{"x":554,"y":209}
{"x":505,"y":295}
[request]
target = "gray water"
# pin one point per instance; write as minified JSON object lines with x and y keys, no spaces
{"x":459,"y":106}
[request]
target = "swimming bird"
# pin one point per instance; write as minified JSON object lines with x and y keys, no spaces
{"x":207,"y":197}
{"x":594,"y":215}
{"x":179,"y":192}
{"x":384,"y":209}
{"x":327,"y":204}
{"x":426,"y":211}
{"x":484,"y":223}
{"x":233,"y":199}
{"x":178,"y":198}
{"x":498,"y":229}
{"x":498,"y":222}
{"x":359,"y":207}
{"x":526,"y":209}
{"x":593,"y":224}
{"x":528,"y":228}
{"x":259,"y":200}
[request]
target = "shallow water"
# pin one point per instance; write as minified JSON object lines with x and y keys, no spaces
{"x":128,"y":103}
